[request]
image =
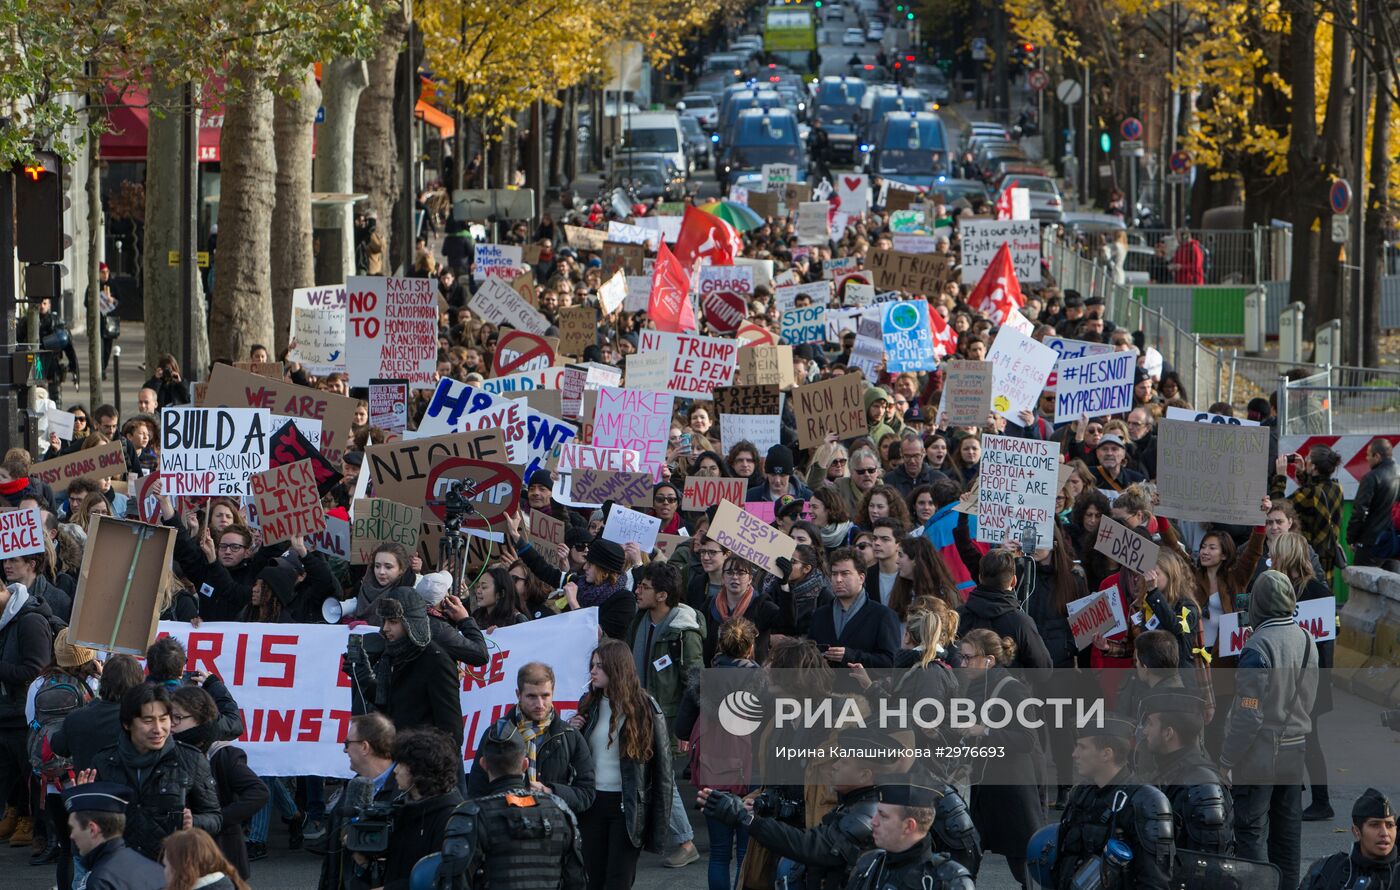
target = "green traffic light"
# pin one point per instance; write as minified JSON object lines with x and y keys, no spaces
{"x":1105,"y":142}
{"x":909,"y":16}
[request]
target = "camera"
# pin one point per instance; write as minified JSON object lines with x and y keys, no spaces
{"x":770,"y":802}
{"x":369,"y":828}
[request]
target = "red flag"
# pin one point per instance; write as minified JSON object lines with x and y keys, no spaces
{"x":669,"y":304}
{"x":998,"y":293}
{"x":945,"y":339}
{"x":705,"y":236}
{"x":1004,"y":200}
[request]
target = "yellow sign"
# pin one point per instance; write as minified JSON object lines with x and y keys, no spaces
{"x":201,"y":259}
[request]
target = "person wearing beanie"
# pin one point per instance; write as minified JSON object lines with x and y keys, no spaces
{"x":453,"y":627}
{"x":65,"y":686}
{"x":1372,"y":860}
{"x":1275,"y":687}
{"x":412,"y":681}
{"x":273,"y":593}
{"x":779,"y":478}
{"x":539,"y":491}
{"x":604,"y":581}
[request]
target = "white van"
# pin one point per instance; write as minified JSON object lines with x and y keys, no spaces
{"x":656,"y":132}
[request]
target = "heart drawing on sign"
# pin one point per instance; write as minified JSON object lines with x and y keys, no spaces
{"x":853,"y":182}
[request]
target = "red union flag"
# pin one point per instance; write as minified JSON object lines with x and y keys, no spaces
{"x":705,"y":236}
{"x":998,"y":293}
{"x":1004,"y":202}
{"x":945,"y":339}
{"x":669,"y":304}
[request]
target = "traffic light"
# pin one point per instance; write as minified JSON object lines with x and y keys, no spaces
{"x":39,"y":205}
{"x":1105,"y":142}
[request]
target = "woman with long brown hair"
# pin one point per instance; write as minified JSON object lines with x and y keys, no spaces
{"x":921,"y":574}
{"x":192,"y":860}
{"x":880,"y":502}
{"x":1216,"y":586}
{"x":631,"y":749}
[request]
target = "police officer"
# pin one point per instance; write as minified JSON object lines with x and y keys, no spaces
{"x":953,"y":831}
{"x":1202,"y":809}
{"x":830,"y":850}
{"x":904,"y":858}
{"x":511,"y":837}
{"x":1372,"y":860}
{"x":96,"y":820}
{"x":1112,"y":823}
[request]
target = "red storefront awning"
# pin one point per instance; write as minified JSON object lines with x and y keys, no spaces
{"x":129,"y":120}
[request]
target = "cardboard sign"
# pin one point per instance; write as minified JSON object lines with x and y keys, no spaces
{"x":1021,"y":366}
{"x":967,"y":393}
{"x":501,"y":262}
{"x":497,"y":302}
{"x":666,"y":545}
{"x":748,"y":400}
{"x":388,"y":405}
{"x":578,"y":329}
{"x":513,"y":384}
{"x":547,"y":536}
{"x":765,"y":204}
{"x":805,"y":325}
{"x":333,"y":540}
{"x":576,"y":456}
{"x":1316,"y":616}
{"x":1132,"y":551}
{"x":261,"y":369}
{"x":762,"y":430}
{"x":749,"y":537}
{"x":236,"y":389}
{"x":592,"y":488}
{"x":1098,"y":614}
{"x":752,"y":335}
{"x":981,"y":239}
{"x":907,"y":340}
{"x":118,"y":601}
{"x":785,"y":296}
{"x":524,"y":284}
{"x":60,"y":423}
{"x":699,"y":364}
{"x":706,"y":491}
{"x":1016,"y":492}
{"x":318,"y":328}
{"x":796,"y":193}
{"x":1212,"y":472}
{"x":104,"y":462}
{"x":392,"y":329}
{"x":289,"y":505}
{"x":897,"y":199}
{"x":1195,"y":416}
{"x":613,"y":293}
{"x":212,"y":451}
{"x":777,"y":176}
{"x":420,"y":471}
{"x":628,"y":526}
{"x":518,"y":351}
{"x":623,"y":257}
{"x":21,"y":532}
{"x":635,"y":420}
{"x":1094,"y":385}
{"x":812,"y":222}
{"x":376,"y":521}
{"x":650,"y":371}
{"x":581,"y":238}
{"x":766,"y":365}
{"x":915,"y":273}
{"x":289,"y":445}
{"x":829,"y":406}
{"x":967,"y":501}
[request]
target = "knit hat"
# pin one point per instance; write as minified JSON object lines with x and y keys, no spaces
{"x":606,"y":555}
{"x":1272,"y":596}
{"x":281,"y":581}
{"x":434,"y":587}
{"x":578,"y":536}
{"x":69,"y":655}
{"x":354,"y":458}
{"x":779,"y":461}
{"x":407,"y":605}
{"x":540,"y":476}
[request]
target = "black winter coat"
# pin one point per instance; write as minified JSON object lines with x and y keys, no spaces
{"x":1007,"y":811}
{"x":1053,"y":626}
{"x":423,"y":692}
{"x":997,"y":611}
{"x":563,"y":762}
{"x":86,"y":731}
{"x":646,"y":787}
{"x":115,"y":866}
{"x":241,"y":795}
{"x":26,"y":648}
{"x":463,"y":642}
{"x":179,"y":779}
{"x":418,"y":830}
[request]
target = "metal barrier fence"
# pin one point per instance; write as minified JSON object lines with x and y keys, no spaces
{"x":1340,"y":400}
{"x":1232,"y":256}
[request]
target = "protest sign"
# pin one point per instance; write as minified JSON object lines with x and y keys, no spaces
{"x":698,"y":365}
{"x":724,"y":293}
{"x":776,"y":176}
{"x":766,"y":511}
{"x":237,"y":389}
{"x":1192,"y":414}
{"x":60,"y":423}
{"x":591,"y":488}
{"x":909,"y":221}
{"x":981,"y":239}
{"x":613,"y":292}
{"x":1132,"y":551}
{"x":391,"y":329}
{"x":812,"y":222}
{"x":749,"y":537}
{"x":766,"y":365}
{"x":763,"y":430}
{"x":805,"y":325}
{"x":261,"y":369}
{"x":499,"y":261}
{"x":212,"y":451}
{"x":318,"y":328}
{"x":628,"y":526}
{"x":630,"y":259}
{"x":1016,"y":491}
{"x":530,"y":435}
{"x":840,"y":322}
{"x":333,"y":540}
{"x":420,"y":471}
{"x":1094,"y":385}
{"x":576,"y":456}
{"x":1212,"y":472}
{"x":868,"y":353}
{"x":102,"y":462}
{"x":289,"y":505}
{"x":289,"y":445}
{"x":638,"y":293}
{"x":914,"y":273}
{"x":666,"y":545}
{"x":829,"y":406}
{"x":748,"y":399}
{"x":21,"y":532}
{"x":785,"y":296}
{"x":751,"y":335}
{"x":1098,"y":614}
{"x":376,"y":521}
{"x":578,"y":329}
{"x":967,"y":393}
{"x":581,"y":238}
{"x":1316,"y":616}
{"x":795,"y":193}
{"x":897,"y":199}
{"x":636,"y":420}
{"x":496,"y":302}
{"x":852,"y":193}
{"x":524,"y":284}
{"x":916,"y":244}
{"x":388,"y":405}
{"x":649,"y":370}
{"x":626,"y":234}
{"x":118,"y":599}
{"x":547,"y":536}
{"x":514,"y":384}
{"x":706,"y":491}
{"x":1020,"y":367}
{"x":908,"y":343}
{"x":1066,"y":348}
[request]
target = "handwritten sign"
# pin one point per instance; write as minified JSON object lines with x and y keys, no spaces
{"x":237,"y":389}
{"x":915,"y":273}
{"x":497,"y":302}
{"x":1212,"y":472}
{"x":749,"y":537}
{"x":776,"y":176}
{"x":581,"y":238}
{"x":392,"y":326}
{"x":547,"y":536}
{"x":1316,"y":616}
{"x":318,"y":328}
{"x":21,"y":532}
{"x":805,"y":325}
{"x":981,"y":239}
{"x":628,"y":526}
{"x":764,"y":365}
{"x":748,"y":399}
{"x":1016,"y":492}
{"x":812,"y":222}
{"x":498,"y":261}
{"x":421,"y":471}
{"x":60,"y":423}
{"x":1132,"y":551}
{"x":1094,"y":385}
{"x":1191,"y":414}
{"x":829,"y":406}
{"x":706,"y":491}
{"x":785,"y":296}
{"x":289,"y":504}
{"x":377,"y":521}
{"x":1098,"y":614}
{"x":529,"y":434}
{"x":967,"y":392}
{"x":289,"y":445}
{"x":635,"y":420}
{"x":212,"y":451}
{"x":1020,"y":366}
{"x":762,"y":430}
{"x":868,"y":352}
{"x":905,"y":331}
{"x":666,"y":545}
{"x":589,"y":488}
{"x":578,"y":329}
{"x":698,"y":364}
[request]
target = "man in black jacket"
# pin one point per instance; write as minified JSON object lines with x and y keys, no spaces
{"x":26,"y":648}
{"x":96,"y":821}
{"x":855,"y":629}
{"x":1202,"y":810}
{"x":165,"y":666}
{"x":992,"y":604}
{"x":560,"y":760}
{"x":1371,"y":511}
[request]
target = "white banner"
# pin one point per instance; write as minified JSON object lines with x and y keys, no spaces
{"x":318,"y":328}
{"x":295,"y":701}
{"x":1318,"y":617}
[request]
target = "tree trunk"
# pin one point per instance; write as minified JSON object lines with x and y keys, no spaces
{"x":1337,"y":161}
{"x":241,"y":312}
{"x":556,"y":142}
{"x":163,"y":301}
{"x":342,"y":81}
{"x":293,"y":260}
{"x":376,"y":142}
{"x":1377,"y":209}
{"x":571,"y":137}
{"x":94,"y":282}
{"x":1303,"y":163}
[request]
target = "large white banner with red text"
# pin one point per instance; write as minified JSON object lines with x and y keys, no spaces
{"x":295,"y":701}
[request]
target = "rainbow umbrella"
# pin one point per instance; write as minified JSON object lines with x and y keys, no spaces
{"x":742,"y":217}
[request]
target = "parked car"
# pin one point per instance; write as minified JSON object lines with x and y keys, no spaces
{"x":698,"y":147}
{"x":1046,"y":201}
{"x":853,"y":37}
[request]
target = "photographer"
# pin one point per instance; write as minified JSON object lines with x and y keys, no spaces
{"x":369,"y":746}
{"x":425,"y":764}
{"x":169,"y":388}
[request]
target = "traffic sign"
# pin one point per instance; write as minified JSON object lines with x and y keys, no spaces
{"x":1340,"y":196}
{"x":1131,"y":149}
{"x":1069,"y":91}
{"x":979,"y":49}
{"x":1341,"y":228}
{"x":1180,"y":161}
{"x":1038,"y":80}
{"x":1131,"y":129}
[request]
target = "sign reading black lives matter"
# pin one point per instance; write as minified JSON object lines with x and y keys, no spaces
{"x":213,"y":451}
{"x":1209,"y":472}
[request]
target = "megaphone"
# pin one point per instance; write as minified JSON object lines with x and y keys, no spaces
{"x":332,"y":609}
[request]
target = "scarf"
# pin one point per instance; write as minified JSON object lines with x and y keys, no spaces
{"x":396,"y":654}
{"x":140,"y":763}
{"x":835,"y":535}
{"x":590,"y":595}
{"x":532,"y":730}
{"x":370,"y":593}
{"x":722,"y":610}
{"x":201,"y":737}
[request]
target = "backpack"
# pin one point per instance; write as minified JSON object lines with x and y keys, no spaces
{"x":719,"y":760}
{"x":58,"y":696}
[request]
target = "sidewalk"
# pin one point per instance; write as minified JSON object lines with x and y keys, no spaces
{"x":124,"y":374}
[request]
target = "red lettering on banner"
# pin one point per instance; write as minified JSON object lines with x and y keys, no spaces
{"x":310,"y":724}
{"x":288,"y":660}
{"x":202,"y":649}
{"x":342,"y":721}
{"x":486,"y":675}
{"x":279,"y":726}
{"x":240,"y":658}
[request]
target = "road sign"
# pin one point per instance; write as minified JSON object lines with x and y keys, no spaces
{"x":1131,"y":129}
{"x":201,"y":259}
{"x":1340,"y":196}
{"x":1069,"y":91}
{"x":979,"y":49}
{"x":1131,"y":149}
{"x":1341,"y":228}
{"x":1178,"y":178}
{"x":1180,"y":161}
{"x":1038,"y":80}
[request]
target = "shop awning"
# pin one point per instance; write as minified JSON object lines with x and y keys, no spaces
{"x":438,"y":120}
{"x":129,"y":120}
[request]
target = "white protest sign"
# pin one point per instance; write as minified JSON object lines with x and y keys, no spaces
{"x":530,"y":435}
{"x":812,"y":222}
{"x":853,"y":195}
{"x":841,"y":321}
{"x":1206,"y":417}
{"x":785,"y":296}
{"x":1316,"y":616}
{"x":334,"y":539}
{"x":318,"y":328}
{"x":1132,"y":551}
{"x":60,"y":423}
{"x":638,"y":293}
{"x":1080,"y":623}
{"x":868,"y":353}
{"x":628,"y":526}
{"x":525,"y":381}
{"x":1016,"y":491}
{"x":212,"y":451}
{"x":613,"y":293}
{"x":499,"y":261}
{"x":698,"y":364}
{"x":21,"y":532}
{"x":981,"y":238}
{"x":763,"y":430}
{"x":1094,"y":385}
{"x":649,"y":371}
{"x":623,"y":233}
{"x":497,"y":302}
{"x":915,"y":243}
{"x":775,"y":176}
{"x":1020,"y":367}
{"x":1068,"y":349}
{"x":391,"y":329}
{"x":726,"y":279}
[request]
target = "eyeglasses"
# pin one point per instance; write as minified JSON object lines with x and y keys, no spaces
{"x":839,"y":461}
{"x":1135,"y":423}
{"x":669,"y":499}
{"x":736,"y":572}
{"x":867,"y":471}
{"x":230,"y":548}
{"x":581,"y":548}
{"x":703,"y":554}
{"x":345,"y":746}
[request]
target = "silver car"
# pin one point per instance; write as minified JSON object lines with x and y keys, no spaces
{"x":1046,"y":201}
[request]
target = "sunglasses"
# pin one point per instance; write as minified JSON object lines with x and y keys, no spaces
{"x":666,"y":500}
{"x":868,"y":471}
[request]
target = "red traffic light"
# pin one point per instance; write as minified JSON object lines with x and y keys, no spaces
{"x":1028,"y":47}
{"x":45,"y":163}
